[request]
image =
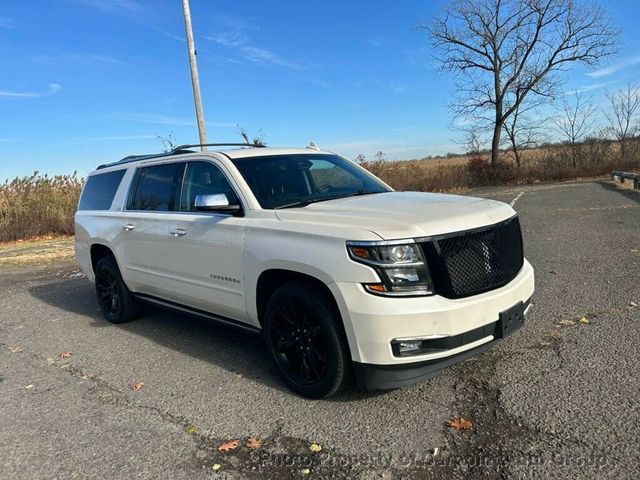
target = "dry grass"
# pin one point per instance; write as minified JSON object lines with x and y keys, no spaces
{"x":38,"y":205}
{"x":596,"y":158}
{"x":42,"y":251}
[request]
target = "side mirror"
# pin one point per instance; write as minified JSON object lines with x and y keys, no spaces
{"x":215,"y":203}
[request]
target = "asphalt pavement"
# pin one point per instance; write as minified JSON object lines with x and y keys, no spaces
{"x":559,"y":398}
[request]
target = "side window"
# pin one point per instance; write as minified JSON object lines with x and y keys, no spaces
{"x":204,"y":178}
{"x":99,"y":191}
{"x":157,"y":188}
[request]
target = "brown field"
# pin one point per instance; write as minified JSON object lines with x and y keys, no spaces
{"x":595,"y":158}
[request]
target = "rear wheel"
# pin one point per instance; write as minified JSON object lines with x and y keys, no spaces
{"x":306,"y":341}
{"x":116,"y":301}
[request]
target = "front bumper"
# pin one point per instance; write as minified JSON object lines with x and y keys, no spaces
{"x":372,"y":323}
{"x":380,"y":377}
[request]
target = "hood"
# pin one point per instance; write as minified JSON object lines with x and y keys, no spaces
{"x":395,"y":215}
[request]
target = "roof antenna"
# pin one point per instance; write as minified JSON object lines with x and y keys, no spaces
{"x":313,"y":146}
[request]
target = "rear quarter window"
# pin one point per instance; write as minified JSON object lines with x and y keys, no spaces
{"x":100,"y":189}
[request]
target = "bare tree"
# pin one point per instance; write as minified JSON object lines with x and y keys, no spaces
{"x":504,"y":50}
{"x":473,"y":142}
{"x":168,"y":143}
{"x":379,"y":157}
{"x":624,"y":104}
{"x":575,"y":121}
{"x":523,"y":128}
{"x":258,"y":138}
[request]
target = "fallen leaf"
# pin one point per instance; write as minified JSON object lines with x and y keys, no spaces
{"x":66,"y":355}
{"x":315,"y":447}
{"x":137,"y":386}
{"x":215,"y":467}
{"x":584,"y":321}
{"x":15,"y":349}
{"x":254,"y":443}
{"x":191,"y":429}
{"x":305,"y":471}
{"x":228,"y":446}
{"x":566,"y":322}
{"x":28,"y":386}
{"x":555,"y":333}
{"x":460,"y":424}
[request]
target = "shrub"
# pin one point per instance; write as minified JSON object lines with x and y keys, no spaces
{"x":38,"y":205}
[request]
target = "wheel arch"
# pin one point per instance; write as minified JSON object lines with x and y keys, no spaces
{"x":272,"y":279}
{"x":99,"y":251}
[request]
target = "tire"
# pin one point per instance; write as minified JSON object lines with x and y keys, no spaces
{"x":305,"y":340}
{"x":116,"y":301}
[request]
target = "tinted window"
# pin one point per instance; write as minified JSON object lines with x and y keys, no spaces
{"x":281,"y":181}
{"x":99,"y":191}
{"x":204,"y":178}
{"x":157,"y":187}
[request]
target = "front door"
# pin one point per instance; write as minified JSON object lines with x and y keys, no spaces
{"x":205,"y":248}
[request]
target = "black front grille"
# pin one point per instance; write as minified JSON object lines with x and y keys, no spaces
{"x":468,"y":263}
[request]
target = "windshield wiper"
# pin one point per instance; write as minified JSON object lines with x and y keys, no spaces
{"x":304,"y":203}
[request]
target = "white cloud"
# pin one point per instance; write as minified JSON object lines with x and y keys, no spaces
{"x":228,"y":39}
{"x":6,"y":23}
{"x":589,"y":88}
{"x":57,"y":57}
{"x":376,"y":40}
{"x":233,"y":22}
{"x":112,"y":5}
{"x":626,"y":63}
{"x":117,"y":138}
{"x":53,"y":89}
{"x":235,"y":39}
{"x":167,"y":120}
{"x":264,"y":56}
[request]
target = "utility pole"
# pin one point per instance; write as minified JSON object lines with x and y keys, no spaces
{"x":195,"y":81}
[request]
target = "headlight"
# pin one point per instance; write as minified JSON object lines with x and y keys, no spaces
{"x":400,"y":265}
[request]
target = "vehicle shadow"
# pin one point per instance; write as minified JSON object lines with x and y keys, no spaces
{"x":231,"y":349}
{"x":633,"y":195}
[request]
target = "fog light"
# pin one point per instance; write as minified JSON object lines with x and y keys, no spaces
{"x":409,"y":346}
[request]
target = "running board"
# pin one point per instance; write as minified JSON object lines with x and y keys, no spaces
{"x":198,"y":313}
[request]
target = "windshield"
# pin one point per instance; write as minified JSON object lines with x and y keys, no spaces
{"x":288,"y":181}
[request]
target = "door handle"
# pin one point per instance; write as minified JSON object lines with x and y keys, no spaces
{"x":127,"y":227}
{"x":178,"y":232}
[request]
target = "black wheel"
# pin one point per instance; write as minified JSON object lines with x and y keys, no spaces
{"x":115,"y":299}
{"x":306,"y":341}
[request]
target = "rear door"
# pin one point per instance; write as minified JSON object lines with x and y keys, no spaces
{"x":142,"y":242}
{"x":205,"y":248}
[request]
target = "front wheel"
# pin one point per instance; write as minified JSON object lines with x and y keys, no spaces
{"x":116,"y":301}
{"x":306,"y":341}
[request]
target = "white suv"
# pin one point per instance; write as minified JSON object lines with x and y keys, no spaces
{"x":339,"y":273}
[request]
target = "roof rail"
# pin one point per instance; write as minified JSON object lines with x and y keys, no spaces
{"x":176,"y":151}
{"x":182,"y":147}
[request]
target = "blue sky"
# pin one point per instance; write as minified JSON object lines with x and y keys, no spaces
{"x":88,"y":81}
